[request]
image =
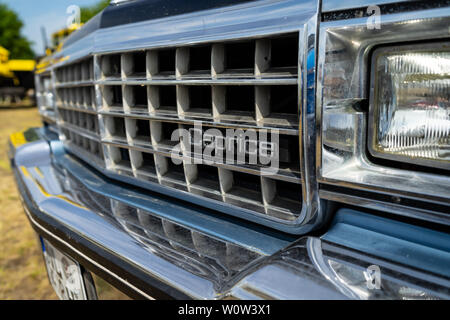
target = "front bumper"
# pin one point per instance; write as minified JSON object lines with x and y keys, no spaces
{"x":151,"y":246}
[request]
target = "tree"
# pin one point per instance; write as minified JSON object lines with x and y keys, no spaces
{"x":10,"y":35}
{"x":89,"y":12}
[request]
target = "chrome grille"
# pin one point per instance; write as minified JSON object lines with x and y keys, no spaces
{"x":77,"y":110}
{"x":139,"y":98}
{"x":45,"y":97}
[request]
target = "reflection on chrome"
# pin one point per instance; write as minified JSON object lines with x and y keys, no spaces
{"x":194,"y":251}
{"x":369,"y":150}
{"x":312,"y":268}
{"x":350,"y":276}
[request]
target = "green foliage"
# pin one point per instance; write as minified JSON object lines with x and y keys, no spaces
{"x":89,"y":12}
{"x":10,"y":35}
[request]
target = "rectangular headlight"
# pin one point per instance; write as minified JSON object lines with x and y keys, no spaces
{"x":410,"y":104}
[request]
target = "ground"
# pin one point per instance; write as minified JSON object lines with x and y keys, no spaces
{"x":22,"y":270}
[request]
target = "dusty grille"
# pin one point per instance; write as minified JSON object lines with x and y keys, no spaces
{"x":77,"y":110}
{"x":138,"y":99}
{"x":45,"y":97}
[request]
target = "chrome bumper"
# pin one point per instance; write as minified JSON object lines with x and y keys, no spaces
{"x":152,"y":246}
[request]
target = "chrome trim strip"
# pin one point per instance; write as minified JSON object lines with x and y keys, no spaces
{"x":338,"y":5}
{"x":215,"y":82}
{"x":312,"y":212}
{"x":381,"y":206}
{"x":235,"y":22}
{"x":79,"y":109}
{"x":84,"y":83}
{"x":80,"y":131}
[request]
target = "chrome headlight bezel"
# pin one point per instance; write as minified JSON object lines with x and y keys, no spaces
{"x":343,"y":92}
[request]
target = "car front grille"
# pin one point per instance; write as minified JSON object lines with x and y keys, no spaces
{"x":119,"y":110}
{"x":77,"y":111}
{"x":45,"y":97}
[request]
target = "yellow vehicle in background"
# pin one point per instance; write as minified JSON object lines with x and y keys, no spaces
{"x":57,"y":40}
{"x":59,"y":36}
{"x":16,"y":81}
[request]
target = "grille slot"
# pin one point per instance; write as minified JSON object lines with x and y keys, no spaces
{"x":204,"y":177}
{"x":120,"y":161}
{"x":289,"y":153}
{"x":282,"y":199}
{"x":138,"y":131}
{"x":194,"y":61}
{"x":178,"y":234}
{"x":235,"y":184}
{"x":235,"y":103}
{"x":163,"y":99}
{"x":277,"y":105}
{"x":162,"y":133}
{"x":168,"y":171}
{"x":112,"y":98}
{"x":151,"y":223}
{"x":239,"y":59}
{"x":161,"y":63}
{"x":115,"y":128}
{"x":281,"y":55}
{"x":136,"y":99}
{"x":79,"y":98}
{"x":134,"y":65}
{"x":144,"y":165}
{"x":111,"y":66}
{"x":83,"y":121}
{"x":195,"y":101}
{"x":84,"y":147}
{"x":140,"y":98}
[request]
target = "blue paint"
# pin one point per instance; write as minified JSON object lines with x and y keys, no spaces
{"x":403,"y":243}
{"x":42,"y":243}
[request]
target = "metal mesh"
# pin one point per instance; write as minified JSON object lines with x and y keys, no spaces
{"x":138,"y":99}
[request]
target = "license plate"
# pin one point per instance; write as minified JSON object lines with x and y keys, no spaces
{"x":64,"y":273}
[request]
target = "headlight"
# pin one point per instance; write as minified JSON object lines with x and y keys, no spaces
{"x":383,"y":102}
{"x":411,"y":105}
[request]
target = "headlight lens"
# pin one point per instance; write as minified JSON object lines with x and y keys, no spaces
{"x":411,"y":105}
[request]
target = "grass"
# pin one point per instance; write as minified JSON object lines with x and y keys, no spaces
{"x":22,"y":269}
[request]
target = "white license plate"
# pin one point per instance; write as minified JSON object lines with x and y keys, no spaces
{"x":64,"y":273}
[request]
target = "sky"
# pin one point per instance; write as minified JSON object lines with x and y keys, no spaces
{"x":49,"y":13}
